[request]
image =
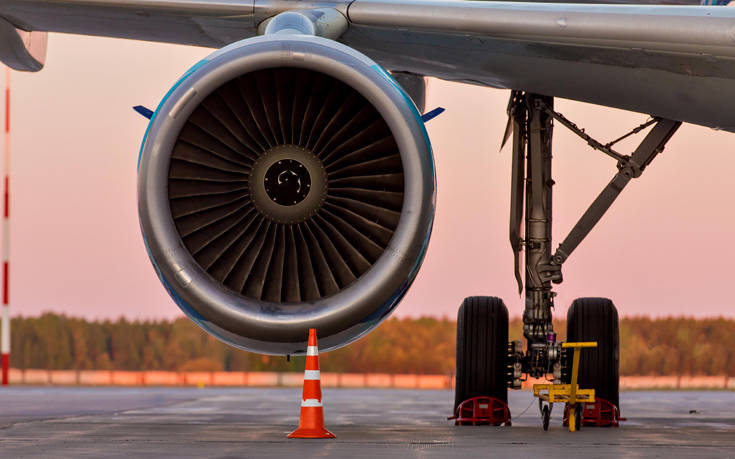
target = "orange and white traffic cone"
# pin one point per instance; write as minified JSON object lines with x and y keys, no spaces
{"x":311,"y":422}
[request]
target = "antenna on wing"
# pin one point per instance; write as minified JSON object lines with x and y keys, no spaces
{"x":430,"y":115}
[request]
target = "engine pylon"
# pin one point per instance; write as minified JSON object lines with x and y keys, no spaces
{"x":311,"y":421}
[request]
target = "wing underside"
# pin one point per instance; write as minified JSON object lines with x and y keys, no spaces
{"x":676,"y":62}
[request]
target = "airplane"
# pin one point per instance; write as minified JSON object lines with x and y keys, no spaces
{"x":286,"y":181}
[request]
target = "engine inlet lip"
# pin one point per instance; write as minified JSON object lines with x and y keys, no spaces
{"x":280,"y":328}
{"x":265,"y":200}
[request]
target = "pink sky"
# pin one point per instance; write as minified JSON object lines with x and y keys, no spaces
{"x":663,"y":249}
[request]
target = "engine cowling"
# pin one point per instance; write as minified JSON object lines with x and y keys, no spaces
{"x":286,"y":184}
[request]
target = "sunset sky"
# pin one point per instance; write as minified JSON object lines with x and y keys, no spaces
{"x":665,"y":248}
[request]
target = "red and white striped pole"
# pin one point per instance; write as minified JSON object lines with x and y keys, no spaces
{"x":5,"y":338}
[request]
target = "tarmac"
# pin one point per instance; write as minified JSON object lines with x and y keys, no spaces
{"x":369,"y":423}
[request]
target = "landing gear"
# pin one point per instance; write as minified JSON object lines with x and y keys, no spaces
{"x":480,"y":364}
{"x":596,"y":319}
{"x":482,"y":352}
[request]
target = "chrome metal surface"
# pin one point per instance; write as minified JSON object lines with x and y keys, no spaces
{"x":288,"y":22}
{"x":267,"y":326}
{"x":321,"y":22}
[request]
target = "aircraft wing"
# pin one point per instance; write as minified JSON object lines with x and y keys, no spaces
{"x":676,"y":62}
{"x":210,"y":23}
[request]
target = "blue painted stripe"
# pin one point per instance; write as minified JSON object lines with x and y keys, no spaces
{"x":188,"y":310}
{"x":163,"y":101}
{"x":398,"y":295}
{"x":384,"y":73}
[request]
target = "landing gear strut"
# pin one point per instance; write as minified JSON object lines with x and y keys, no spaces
{"x":532,"y":136}
{"x":530,"y":122}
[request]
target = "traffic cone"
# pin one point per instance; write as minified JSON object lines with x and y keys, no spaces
{"x":311,"y":421}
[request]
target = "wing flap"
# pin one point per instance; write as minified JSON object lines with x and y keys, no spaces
{"x":192,"y":22}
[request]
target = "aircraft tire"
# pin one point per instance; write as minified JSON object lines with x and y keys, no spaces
{"x":596,"y":319}
{"x":482,"y":349}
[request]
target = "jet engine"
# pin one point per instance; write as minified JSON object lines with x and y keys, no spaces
{"x":286,"y":183}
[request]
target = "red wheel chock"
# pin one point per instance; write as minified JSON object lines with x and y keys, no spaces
{"x":482,"y":411}
{"x":601,"y":413}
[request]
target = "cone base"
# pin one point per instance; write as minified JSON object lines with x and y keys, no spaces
{"x":311,"y":433}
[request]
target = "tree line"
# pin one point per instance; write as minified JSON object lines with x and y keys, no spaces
{"x":667,"y":346}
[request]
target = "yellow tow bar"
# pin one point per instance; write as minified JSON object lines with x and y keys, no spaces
{"x":570,"y":394}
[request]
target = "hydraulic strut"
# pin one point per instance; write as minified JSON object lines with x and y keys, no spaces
{"x":628,"y":168}
{"x":532,"y":130}
{"x":530,"y":120}
{"x":537,"y":326}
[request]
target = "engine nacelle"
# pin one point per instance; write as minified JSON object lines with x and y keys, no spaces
{"x":286,"y":183}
